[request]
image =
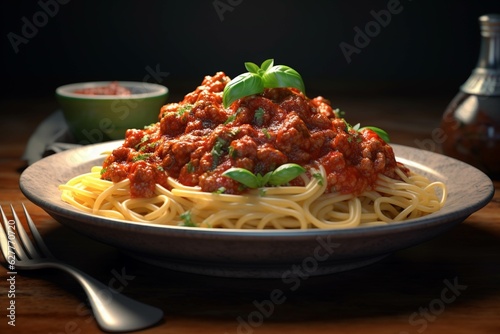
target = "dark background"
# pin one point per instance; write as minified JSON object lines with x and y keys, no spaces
{"x":430,"y":47}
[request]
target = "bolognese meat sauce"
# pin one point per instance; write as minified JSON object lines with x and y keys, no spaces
{"x":197,"y":139}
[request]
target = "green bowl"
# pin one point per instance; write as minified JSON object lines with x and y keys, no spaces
{"x":98,"y":118}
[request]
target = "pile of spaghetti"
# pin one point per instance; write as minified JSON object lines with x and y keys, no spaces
{"x":207,"y":165}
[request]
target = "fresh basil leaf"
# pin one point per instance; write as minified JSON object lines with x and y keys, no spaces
{"x":252,"y":67}
{"x":266,"y":64}
{"x":243,"y":176}
{"x":282,"y":175}
{"x":256,"y":79}
{"x":282,"y":76}
{"x":381,"y":133}
{"x":264,"y":179}
{"x":245,"y":84}
{"x":285,"y":173}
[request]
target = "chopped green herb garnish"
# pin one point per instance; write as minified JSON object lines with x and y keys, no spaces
{"x":183,"y":109}
{"x":218,"y":151}
{"x":339,"y":113}
{"x":142,"y":156}
{"x":190,"y":167}
{"x":232,"y":117}
{"x":232,"y":152}
{"x":259,"y":116}
{"x":233,"y":132}
{"x":319,"y":177}
{"x":221,"y":190}
{"x":186,"y":219}
{"x":144,"y":139}
{"x":218,"y":147}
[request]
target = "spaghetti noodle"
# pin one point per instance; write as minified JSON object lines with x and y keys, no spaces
{"x":299,"y":207}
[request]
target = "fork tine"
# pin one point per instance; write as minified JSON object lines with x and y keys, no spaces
{"x":4,"y":241}
{"x":24,"y":239}
{"x":15,"y":243}
{"x":36,"y":235}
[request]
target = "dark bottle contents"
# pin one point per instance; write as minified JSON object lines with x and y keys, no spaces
{"x":471,"y":122}
{"x":471,"y":126}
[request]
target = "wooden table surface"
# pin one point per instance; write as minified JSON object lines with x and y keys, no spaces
{"x":450,"y":284}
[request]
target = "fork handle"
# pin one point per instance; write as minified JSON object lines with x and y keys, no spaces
{"x":112,"y":310}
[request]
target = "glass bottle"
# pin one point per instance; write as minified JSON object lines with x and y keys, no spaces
{"x":471,"y":122}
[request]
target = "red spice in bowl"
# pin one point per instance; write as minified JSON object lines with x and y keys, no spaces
{"x":113,"y":88}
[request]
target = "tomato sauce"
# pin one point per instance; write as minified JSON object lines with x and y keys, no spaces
{"x":197,"y":139}
{"x":114,"y":88}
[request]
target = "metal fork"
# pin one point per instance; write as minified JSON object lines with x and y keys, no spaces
{"x":113,"y":311}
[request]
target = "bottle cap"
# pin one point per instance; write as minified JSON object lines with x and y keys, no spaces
{"x":485,"y":78}
{"x":490,"y":24}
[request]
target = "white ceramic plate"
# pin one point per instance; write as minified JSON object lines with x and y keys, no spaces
{"x":268,"y":253}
